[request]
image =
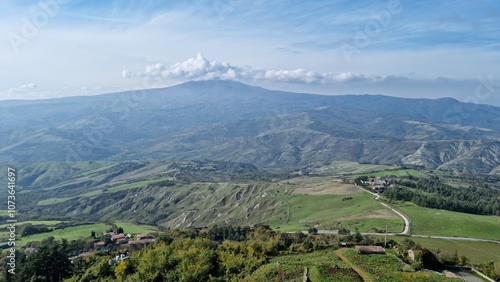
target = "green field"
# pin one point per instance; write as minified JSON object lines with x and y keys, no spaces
{"x":338,"y":168}
{"x":52,"y":201}
{"x":34,"y":222}
{"x":132,"y":228}
{"x":476,"y":252}
{"x":323,"y":265}
{"x":69,"y":233}
{"x":426,"y":221}
{"x":113,"y":189}
{"x":328,"y":211}
{"x":386,"y":267}
{"x":4,"y":212}
{"x":79,"y":231}
{"x":399,"y":173}
{"x":99,"y":166}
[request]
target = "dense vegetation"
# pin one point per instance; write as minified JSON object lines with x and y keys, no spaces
{"x":219,"y":253}
{"x":211,"y":254}
{"x":431,"y":192}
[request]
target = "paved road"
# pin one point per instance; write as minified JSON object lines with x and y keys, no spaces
{"x":468,"y":277}
{"x":406,"y":229}
{"x":457,"y":238}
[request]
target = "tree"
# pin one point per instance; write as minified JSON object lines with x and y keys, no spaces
{"x":49,"y":263}
{"x":357,"y":236}
{"x":123,"y":269}
{"x":462,"y":260}
{"x":312,"y":231}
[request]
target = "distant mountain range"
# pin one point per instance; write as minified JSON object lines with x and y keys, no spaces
{"x":231,"y":121}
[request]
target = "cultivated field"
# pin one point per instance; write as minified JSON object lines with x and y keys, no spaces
{"x":386,"y":267}
{"x":334,"y":211}
{"x":476,"y":252}
{"x":323,"y":265}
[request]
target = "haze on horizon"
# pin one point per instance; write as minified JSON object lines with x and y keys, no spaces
{"x":404,"y":48}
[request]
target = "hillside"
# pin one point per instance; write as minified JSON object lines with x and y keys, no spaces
{"x":230,"y":121}
{"x":191,"y":193}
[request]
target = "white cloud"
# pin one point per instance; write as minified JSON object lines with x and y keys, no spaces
{"x":199,"y":68}
{"x":24,"y":87}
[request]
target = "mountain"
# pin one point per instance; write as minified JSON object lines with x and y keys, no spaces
{"x":231,"y":121}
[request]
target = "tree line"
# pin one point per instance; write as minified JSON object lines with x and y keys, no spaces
{"x":433,"y":193}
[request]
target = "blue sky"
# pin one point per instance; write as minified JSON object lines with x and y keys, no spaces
{"x":54,"y":48}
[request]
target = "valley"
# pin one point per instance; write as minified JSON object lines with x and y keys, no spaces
{"x":158,"y":196}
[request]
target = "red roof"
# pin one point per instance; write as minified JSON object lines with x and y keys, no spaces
{"x":119,"y":236}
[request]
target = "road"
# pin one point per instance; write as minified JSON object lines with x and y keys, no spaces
{"x":468,"y":277}
{"x":335,"y":232}
{"x":406,"y":229}
{"x":457,"y":238}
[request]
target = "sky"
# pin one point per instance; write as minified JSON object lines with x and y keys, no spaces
{"x":404,"y":48}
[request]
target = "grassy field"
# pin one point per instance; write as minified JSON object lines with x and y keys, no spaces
{"x":339,"y":168}
{"x":398,"y":172}
{"x":428,"y":221}
{"x":69,"y":233}
{"x":321,"y":265}
{"x":4,"y":212}
{"x":98,"y":167}
{"x":132,"y":228}
{"x":331,"y":211}
{"x":76,"y":232}
{"x":476,"y":252}
{"x":52,"y":201}
{"x":113,"y":189}
{"x":34,"y":222}
{"x":385,"y":267}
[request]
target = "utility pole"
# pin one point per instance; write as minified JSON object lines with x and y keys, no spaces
{"x":385,"y":245}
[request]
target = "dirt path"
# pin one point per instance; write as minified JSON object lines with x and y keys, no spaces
{"x":361,"y":272}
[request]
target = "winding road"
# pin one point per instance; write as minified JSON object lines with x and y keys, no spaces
{"x":406,"y":229}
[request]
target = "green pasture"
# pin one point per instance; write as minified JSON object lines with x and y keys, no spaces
{"x":132,"y":228}
{"x":331,"y":212}
{"x":426,"y":221}
{"x":68,"y":233}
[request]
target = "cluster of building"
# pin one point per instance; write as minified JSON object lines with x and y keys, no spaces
{"x":122,"y":239}
{"x":377,"y":184}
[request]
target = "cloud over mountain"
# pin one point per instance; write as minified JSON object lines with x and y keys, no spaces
{"x":24,"y":87}
{"x":199,"y":68}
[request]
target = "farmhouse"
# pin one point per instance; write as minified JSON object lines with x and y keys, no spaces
{"x":377,"y":184}
{"x":144,"y":236}
{"x":117,"y":237}
{"x":99,"y":245}
{"x":370,"y":250}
